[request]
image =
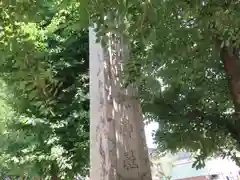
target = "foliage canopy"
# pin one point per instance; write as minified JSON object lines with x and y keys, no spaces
{"x":44,"y":64}
{"x":191,"y":46}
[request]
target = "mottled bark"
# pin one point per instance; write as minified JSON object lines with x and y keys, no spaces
{"x":118,"y":145}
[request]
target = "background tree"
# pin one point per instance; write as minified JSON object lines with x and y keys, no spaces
{"x":162,"y":166}
{"x":44,"y":64}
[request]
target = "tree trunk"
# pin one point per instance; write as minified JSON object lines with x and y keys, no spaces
{"x":118,"y":144}
{"x":54,"y":172}
{"x":54,"y":177}
{"x":230,"y":58}
{"x":232,"y":69}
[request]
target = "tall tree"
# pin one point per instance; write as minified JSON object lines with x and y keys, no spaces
{"x":184,"y":57}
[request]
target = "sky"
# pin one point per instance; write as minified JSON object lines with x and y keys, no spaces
{"x":148,"y":131}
